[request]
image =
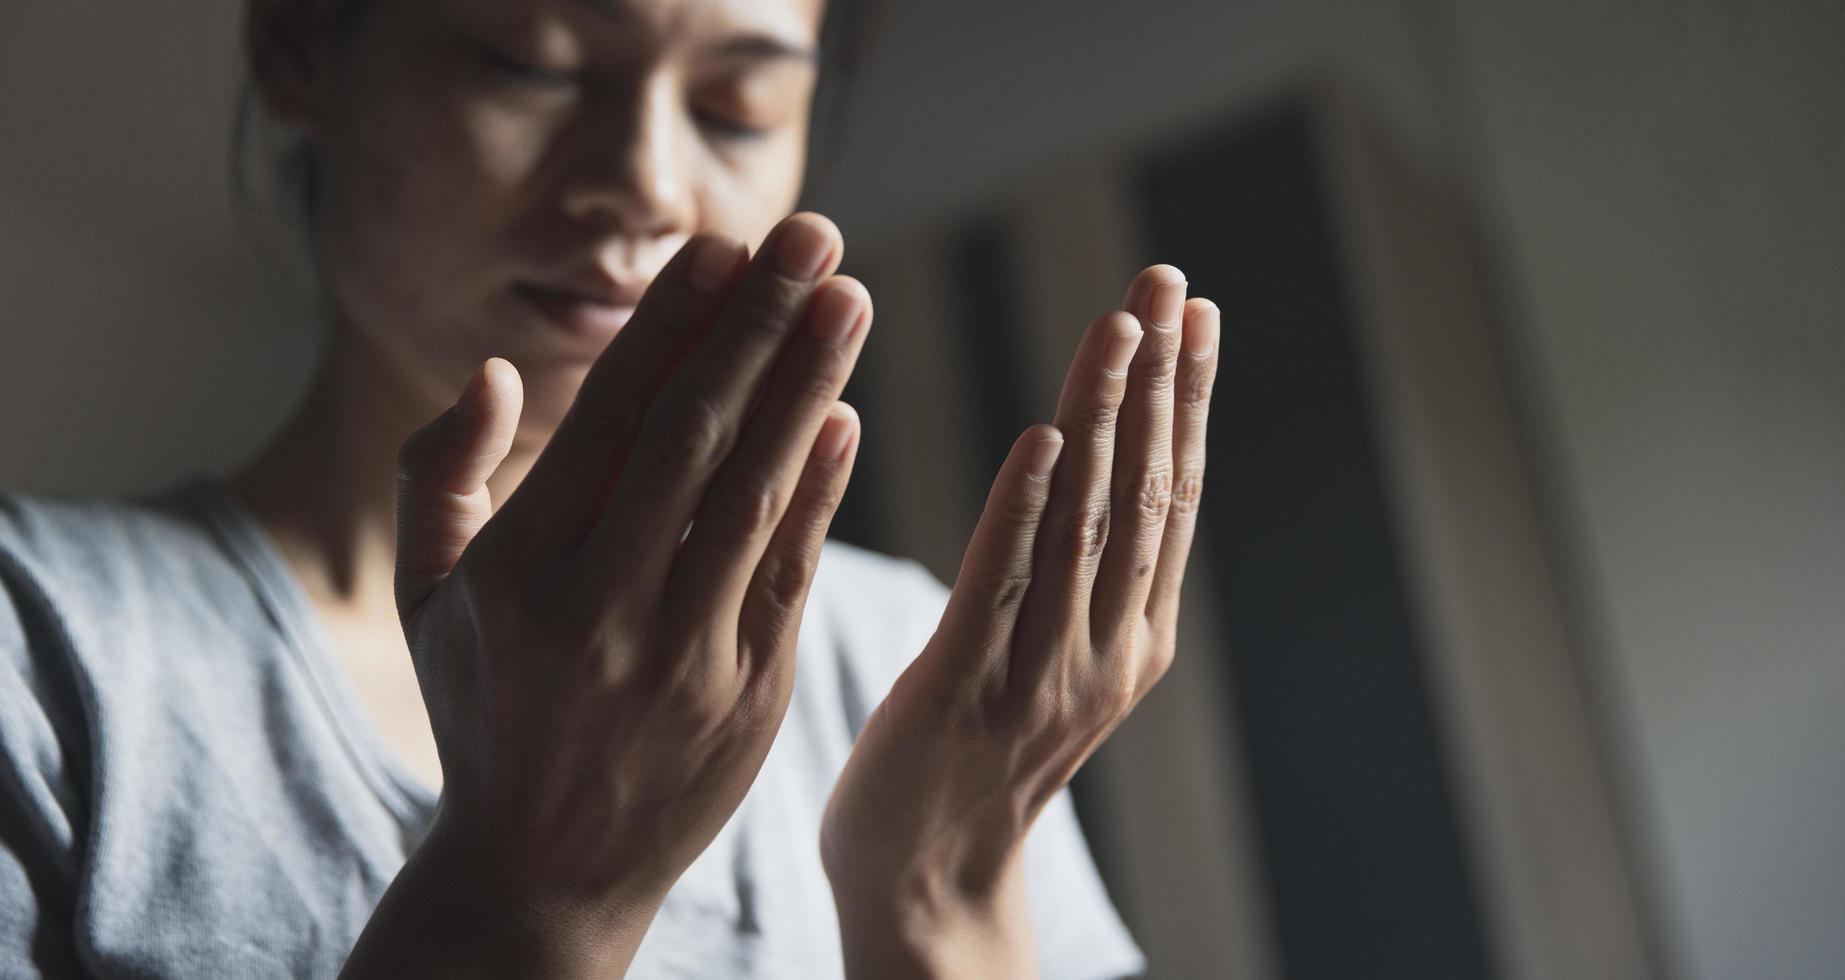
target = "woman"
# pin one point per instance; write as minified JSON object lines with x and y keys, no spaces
{"x":570,"y":603}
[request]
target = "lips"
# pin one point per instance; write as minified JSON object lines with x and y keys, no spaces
{"x":589,"y":304}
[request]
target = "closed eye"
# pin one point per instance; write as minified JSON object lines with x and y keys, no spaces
{"x":730,"y":129}
{"x":514,"y":70}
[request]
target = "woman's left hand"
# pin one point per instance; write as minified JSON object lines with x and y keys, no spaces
{"x":1048,"y":641}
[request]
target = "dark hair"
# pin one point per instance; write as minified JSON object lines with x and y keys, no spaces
{"x":291,"y":172}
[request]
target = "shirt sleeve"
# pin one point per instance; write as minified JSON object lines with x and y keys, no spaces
{"x":1080,"y":936}
{"x":41,"y":810}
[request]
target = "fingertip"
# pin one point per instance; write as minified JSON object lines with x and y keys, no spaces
{"x":1146,"y":284}
{"x":1163,"y":274}
{"x":1122,"y":331}
{"x":816,"y":246}
{"x":498,"y":372}
{"x":1119,"y":323}
{"x":715,"y":258}
{"x":823,"y":223}
{"x":1202,"y":327}
{"x":495,"y":390}
{"x":850,"y":285}
{"x":835,"y":439}
{"x":1036,"y":434}
{"x":1046,"y":443}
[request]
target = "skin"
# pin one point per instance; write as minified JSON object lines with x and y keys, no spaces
{"x":448,"y":180}
{"x":586,"y":672}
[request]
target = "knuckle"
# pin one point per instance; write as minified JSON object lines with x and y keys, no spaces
{"x":691,"y":435}
{"x":819,"y":505}
{"x":1188,"y":494}
{"x":814,"y":502}
{"x":783,"y":585}
{"x":1196,"y":392}
{"x":1158,"y":663}
{"x":768,"y":311}
{"x":752,"y":505}
{"x":695,"y":699}
{"x":1115,"y":692}
{"x":759,"y":705}
{"x":607,"y":422}
{"x":1019,"y":515}
{"x":1154,"y":374}
{"x":1085,"y":533}
{"x":1045,"y":709}
{"x":1149,"y":494}
{"x":1099,"y":419}
{"x":820,"y":384}
{"x":1005,"y":593}
{"x":1101,"y":694}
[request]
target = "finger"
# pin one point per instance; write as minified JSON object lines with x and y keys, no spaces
{"x":1191,"y":407}
{"x":996,"y":571}
{"x":693,"y":423}
{"x":568,"y":483}
{"x":1075,"y":524}
{"x":750,"y":491}
{"x":1141,"y":485}
{"x":442,"y":472}
{"x":771,"y":613}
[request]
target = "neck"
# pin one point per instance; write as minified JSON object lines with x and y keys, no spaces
{"x":325,"y":487}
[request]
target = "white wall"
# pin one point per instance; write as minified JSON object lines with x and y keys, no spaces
{"x":1662,"y":187}
{"x":1668,"y":181}
{"x":144,"y":338}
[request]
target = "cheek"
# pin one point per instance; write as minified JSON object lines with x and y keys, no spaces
{"x":418,"y":184}
{"x":748,"y":195}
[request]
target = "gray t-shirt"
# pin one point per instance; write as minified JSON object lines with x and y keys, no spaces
{"x":190,"y":786}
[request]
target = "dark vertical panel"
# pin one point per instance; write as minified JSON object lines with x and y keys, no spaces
{"x":983,"y":334}
{"x":863,"y":517}
{"x":985,"y":290}
{"x":1368,"y":874}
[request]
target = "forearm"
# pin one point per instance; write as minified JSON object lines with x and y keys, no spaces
{"x":929,"y":929}
{"x":438,"y":919}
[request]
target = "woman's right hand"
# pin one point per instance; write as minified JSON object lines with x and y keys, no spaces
{"x":604,"y":684}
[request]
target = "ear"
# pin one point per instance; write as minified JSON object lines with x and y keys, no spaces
{"x":284,"y":43}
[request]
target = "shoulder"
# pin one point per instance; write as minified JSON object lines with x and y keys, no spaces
{"x":75,"y":571}
{"x":79,"y":548}
{"x":97,"y":578}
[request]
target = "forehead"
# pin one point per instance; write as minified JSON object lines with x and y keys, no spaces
{"x":796,"y":22}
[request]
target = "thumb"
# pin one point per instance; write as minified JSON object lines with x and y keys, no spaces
{"x":442,"y":473}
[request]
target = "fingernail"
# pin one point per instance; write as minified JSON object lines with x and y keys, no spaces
{"x":802,"y":249}
{"x":1201,"y":333}
{"x":1121,"y":353}
{"x":834,"y":435}
{"x":1044,"y":456}
{"x":712,"y":262}
{"x":1169,"y":304}
{"x":836,"y":313}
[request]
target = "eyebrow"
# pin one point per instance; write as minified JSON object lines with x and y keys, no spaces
{"x":760,"y":46}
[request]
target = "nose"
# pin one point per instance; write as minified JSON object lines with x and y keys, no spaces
{"x":630,"y":169}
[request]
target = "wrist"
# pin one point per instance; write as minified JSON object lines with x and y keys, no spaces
{"x":450,"y":913}
{"x":927,"y":922}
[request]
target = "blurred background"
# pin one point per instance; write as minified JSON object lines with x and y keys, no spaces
{"x":1515,"y":640}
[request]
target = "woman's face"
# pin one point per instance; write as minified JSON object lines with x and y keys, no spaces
{"x":504,"y":177}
